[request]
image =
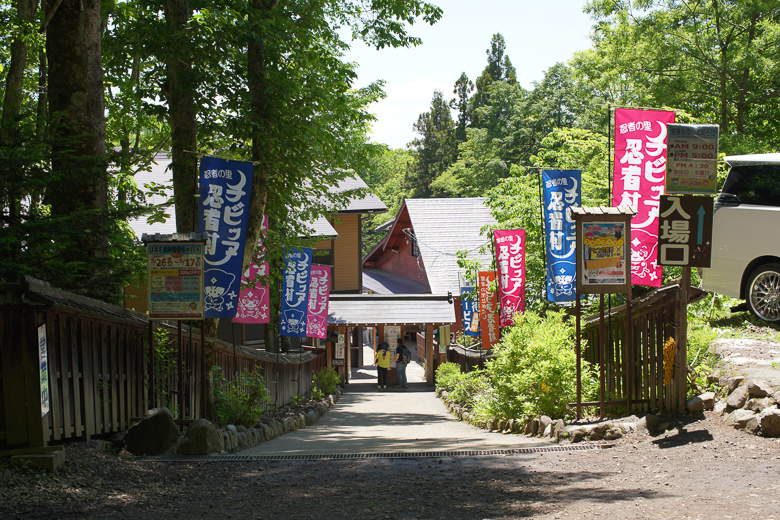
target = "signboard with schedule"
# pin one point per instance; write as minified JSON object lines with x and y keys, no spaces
{"x":175,"y":275}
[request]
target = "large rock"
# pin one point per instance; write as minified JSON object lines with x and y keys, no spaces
{"x":705,"y":401}
{"x":737,"y":416}
{"x":733,"y":383}
{"x":648,"y":422}
{"x":776,"y":397}
{"x":544,"y":422}
{"x":737,"y":398}
{"x":243,"y":441}
{"x":759,"y":388}
{"x":770,"y":422}
{"x":202,"y":438}
{"x":155,"y":434}
{"x":598,"y":431}
{"x":268,"y":433}
{"x":558,"y":429}
{"x":758,"y":405}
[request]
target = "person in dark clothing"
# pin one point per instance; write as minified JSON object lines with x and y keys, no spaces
{"x":400,"y":365}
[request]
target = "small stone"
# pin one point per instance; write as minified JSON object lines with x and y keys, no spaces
{"x":759,"y":388}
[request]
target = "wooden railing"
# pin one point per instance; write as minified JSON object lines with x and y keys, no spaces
{"x":99,"y":369}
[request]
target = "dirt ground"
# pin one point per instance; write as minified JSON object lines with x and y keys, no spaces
{"x":700,"y":470}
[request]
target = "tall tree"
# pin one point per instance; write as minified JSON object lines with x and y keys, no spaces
{"x":435,"y":150}
{"x":499,"y":68}
{"x":463,"y":89}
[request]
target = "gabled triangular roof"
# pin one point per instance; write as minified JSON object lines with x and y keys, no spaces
{"x":441,"y":227}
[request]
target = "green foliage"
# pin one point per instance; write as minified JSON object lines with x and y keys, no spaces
{"x":534,"y":368}
{"x":448,"y":375}
{"x":165,"y":362}
{"x":326,"y":380}
{"x":317,"y":394}
{"x":241,"y":400}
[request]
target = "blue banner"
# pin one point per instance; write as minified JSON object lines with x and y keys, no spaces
{"x":561,"y":192}
{"x":295,"y":292}
{"x":470,"y":312}
{"x":225,"y":191}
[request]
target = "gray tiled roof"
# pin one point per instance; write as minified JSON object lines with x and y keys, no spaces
{"x":375,"y":309}
{"x":443,"y":227}
{"x":385,"y":282}
{"x":161,"y":174}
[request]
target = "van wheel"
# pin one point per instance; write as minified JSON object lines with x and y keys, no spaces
{"x":763,"y":293}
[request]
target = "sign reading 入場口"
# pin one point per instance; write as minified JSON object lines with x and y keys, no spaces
{"x":175,"y":275}
{"x":685,"y":231}
{"x":692,"y":165}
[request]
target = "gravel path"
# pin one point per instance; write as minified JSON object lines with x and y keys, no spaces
{"x":703,"y":470}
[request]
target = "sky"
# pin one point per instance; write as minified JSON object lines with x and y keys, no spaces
{"x":538,"y":34}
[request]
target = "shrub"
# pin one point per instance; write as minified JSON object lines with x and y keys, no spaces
{"x":240,"y":401}
{"x":534,"y":368}
{"x":447,"y":376}
{"x":327,"y":380}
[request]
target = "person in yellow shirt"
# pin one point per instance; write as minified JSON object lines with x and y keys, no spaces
{"x":382,"y":362}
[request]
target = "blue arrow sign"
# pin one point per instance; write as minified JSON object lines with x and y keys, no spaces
{"x":700,"y":233}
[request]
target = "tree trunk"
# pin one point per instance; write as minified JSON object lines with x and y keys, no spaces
{"x":77,"y":111}
{"x":181,"y":116}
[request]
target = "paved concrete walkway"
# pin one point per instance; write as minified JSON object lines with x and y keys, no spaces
{"x":371,"y":420}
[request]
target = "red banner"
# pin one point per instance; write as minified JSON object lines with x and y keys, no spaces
{"x":254,"y":302}
{"x":639,"y":177}
{"x":319,"y":290}
{"x":488,"y":304}
{"x":510,"y":260}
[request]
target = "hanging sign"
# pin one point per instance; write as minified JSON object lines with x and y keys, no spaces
{"x":175,"y":278}
{"x":685,"y":233}
{"x":43,"y":364}
{"x":444,"y":338}
{"x":639,"y":177}
{"x":295,"y":292}
{"x":488,"y":305}
{"x":603,"y":254}
{"x":693,"y":159}
{"x":225,"y":189}
{"x":319,"y":290}
{"x":561,"y":190}
{"x":254,"y":302}
{"x":470,"y":312}
{"x":341,"y":347}
{"x":510,"y":262}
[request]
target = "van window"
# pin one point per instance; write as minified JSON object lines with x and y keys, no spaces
{"x":755,"y":184}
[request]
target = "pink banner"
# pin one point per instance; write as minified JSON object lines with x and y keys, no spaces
{"x":510,"y":262}
{"x":319,"y":289}
{"x":639,"y":176}
{"x":487,"y":309}
{"x":254,"y":302}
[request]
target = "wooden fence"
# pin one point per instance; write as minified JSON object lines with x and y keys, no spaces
{"x":655,"y":318}
{"x":99,"y":368}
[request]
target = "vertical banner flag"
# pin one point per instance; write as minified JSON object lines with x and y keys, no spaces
{"x":319,"y":290}
{"x":561,"y":192}
{"x":254,"y":302}
{"x":470,"y":313}
{"x":488,"y":304}
{"x":639,"y":178}
{"x":225,"y":189}
{"x":510,"y":260}
{"x":295,"y":292}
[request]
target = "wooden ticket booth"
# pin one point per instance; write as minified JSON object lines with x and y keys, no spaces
{"x":389,"y":316}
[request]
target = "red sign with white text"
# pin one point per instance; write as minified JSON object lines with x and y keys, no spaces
{"x":639,"y":178}
{"x":488,"y":304}
{"x":319,"y":290}
{"x":254,"y":302}
{"x":510,"y":262}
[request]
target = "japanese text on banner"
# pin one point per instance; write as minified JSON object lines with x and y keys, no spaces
{"x":254,"y":302}
{"x":510,"y":264}
{"x":295,"y":292}
{"x":561,"y":190}
{"x":470,"y":311}
{"x":225,"y":188}
{"x":488,"y":305}
{"x":319,"y":291}
{"x":639,"y":177}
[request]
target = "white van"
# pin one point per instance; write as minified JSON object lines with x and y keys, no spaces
{"x":746,"y":235}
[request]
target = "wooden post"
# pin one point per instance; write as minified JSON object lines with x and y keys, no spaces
{"x":203,"y":397}
{"x":578,"y":346}
{"x":180,"y":371}
{"x":348,"y":354}
{"x":629,"y":355}
{"x":429,"y":373}
{"x":150,"y":404}
{"x":602,"y":375}
{"x":343,"y":330}
{"x":682,"y":344}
